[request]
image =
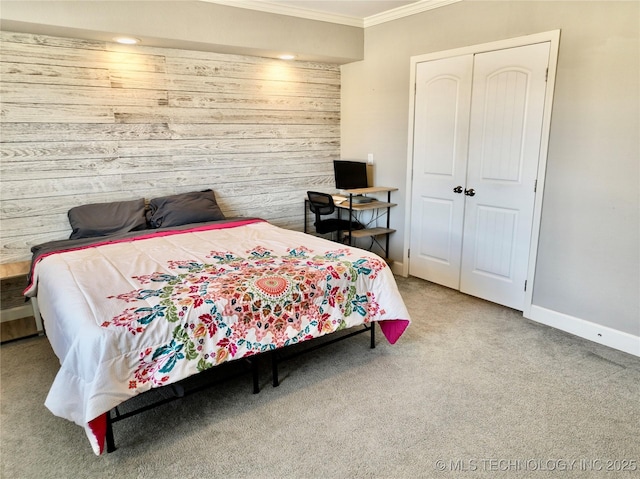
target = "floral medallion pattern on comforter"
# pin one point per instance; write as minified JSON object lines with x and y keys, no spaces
{"x":125,"y":315}
{"x":238,"y":306}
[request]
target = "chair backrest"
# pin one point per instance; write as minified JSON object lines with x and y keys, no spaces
{"x":320,"y":203}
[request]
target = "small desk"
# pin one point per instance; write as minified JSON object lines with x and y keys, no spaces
{"x":351,"y":207}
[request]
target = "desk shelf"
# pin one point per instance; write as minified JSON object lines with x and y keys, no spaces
{"x":367,"y":232}
{"x":352,"y":207}
{"x":372,"y":205}
{"x":369,"y":190}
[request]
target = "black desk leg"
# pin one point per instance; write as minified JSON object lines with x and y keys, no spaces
{"x":305,"y":214}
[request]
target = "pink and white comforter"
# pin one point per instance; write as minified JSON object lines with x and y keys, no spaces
{"x":129,"y":315}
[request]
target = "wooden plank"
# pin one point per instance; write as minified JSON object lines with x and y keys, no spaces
{"x":59,"y":187}
{"x":13,"y":227}
{"x":236,"y":166}
{"x":99,"y":96}
{"x":38,"y":225}
{"x":84,"y":132}
{"x":13,"y":284}
{"x":233,"y":175}
{"x":19,"y":248}
{"x":164,"y":183}
{"x":365,"y":233}
{"x":46,"y":40}
{"x":223,"y":146}
{"x":271,"y":70}
{"x":79,"y":57}
{"x":274,"y":186}
{"x":255,"y":102}
{"x":10,"y":152}
{"x":13,"y":270}
{"x":44,"y":132}
{"x":51,"y":169}
{"x":125,"y":114}
{"x":18,"y":328}
{"x":196,"y":55}
{"x":25,"y":208}
{"x":241,"y":131}
{"x":152,"y":81}
{"x":263,"y":206}
{"x":12,"y":72}
{"x":291,"y":159}
{"x":34,"y":113}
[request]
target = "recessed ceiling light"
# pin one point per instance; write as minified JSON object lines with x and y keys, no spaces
{"x":127,"y":40}
{"x":286,"y":56}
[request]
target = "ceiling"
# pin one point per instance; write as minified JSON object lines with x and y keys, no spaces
{"x":357,"y":13}
{"x":360,"y":9}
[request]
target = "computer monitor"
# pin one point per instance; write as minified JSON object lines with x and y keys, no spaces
{"x":350,"y":174}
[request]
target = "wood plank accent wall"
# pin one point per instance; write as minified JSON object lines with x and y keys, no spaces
{"x":90,"y":122}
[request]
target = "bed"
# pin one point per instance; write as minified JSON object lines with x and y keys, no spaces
{"x":141,"y":303}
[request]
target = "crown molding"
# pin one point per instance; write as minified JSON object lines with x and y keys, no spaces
{"x":405,"y":11}
{"x":291,"y":11}
{"x":389,"y":15}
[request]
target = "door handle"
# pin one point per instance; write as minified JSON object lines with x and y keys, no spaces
{"x":457,"y":189}
{"x":470,"y":192}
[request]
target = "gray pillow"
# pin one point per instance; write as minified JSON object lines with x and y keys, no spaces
{"x":184,"y":208}
{"x":101,"y":219}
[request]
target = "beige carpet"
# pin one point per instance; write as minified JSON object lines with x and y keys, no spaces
{"x":471,"y":390}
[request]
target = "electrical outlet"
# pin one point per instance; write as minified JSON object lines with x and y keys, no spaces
{"x":370,"y":159}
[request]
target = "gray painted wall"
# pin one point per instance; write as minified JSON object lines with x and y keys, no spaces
{"x":588,"y":259}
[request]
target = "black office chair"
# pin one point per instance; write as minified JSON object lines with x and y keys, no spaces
{"x":321,"y":204}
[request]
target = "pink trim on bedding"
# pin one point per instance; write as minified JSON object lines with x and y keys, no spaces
{"x":98,"y":428}
{"x":393,"y":329}
{"x":157,"y":234}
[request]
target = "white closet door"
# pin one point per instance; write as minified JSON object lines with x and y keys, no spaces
{"x":504,"y":145}
{"x":442,"y":102}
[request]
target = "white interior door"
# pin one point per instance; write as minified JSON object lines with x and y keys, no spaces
{"x":441,"y":119}
{"x":507,"y":108}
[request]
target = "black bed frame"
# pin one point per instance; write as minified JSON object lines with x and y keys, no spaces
{"x":276,"y":357}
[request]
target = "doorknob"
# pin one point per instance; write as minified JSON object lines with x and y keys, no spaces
{"x":457,"y":189}
{"x":470,"y":192}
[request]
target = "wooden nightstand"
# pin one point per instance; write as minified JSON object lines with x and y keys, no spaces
{"x":19,"y":318}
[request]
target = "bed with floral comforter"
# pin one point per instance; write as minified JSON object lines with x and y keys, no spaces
{"x":125,"y":315}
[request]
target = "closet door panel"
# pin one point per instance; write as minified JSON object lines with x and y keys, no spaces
{"x":504,"y":145}
{"x":442,"y":101}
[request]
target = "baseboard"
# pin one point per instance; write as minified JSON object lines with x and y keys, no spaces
{"x":585,"y":329}
{"x":397,"y":268}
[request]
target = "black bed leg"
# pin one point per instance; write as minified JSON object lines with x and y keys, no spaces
{"x":254,"y":374}
{"x":373,"y":335}
{"x":111,"y":443}
{"x":274,"y":369}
